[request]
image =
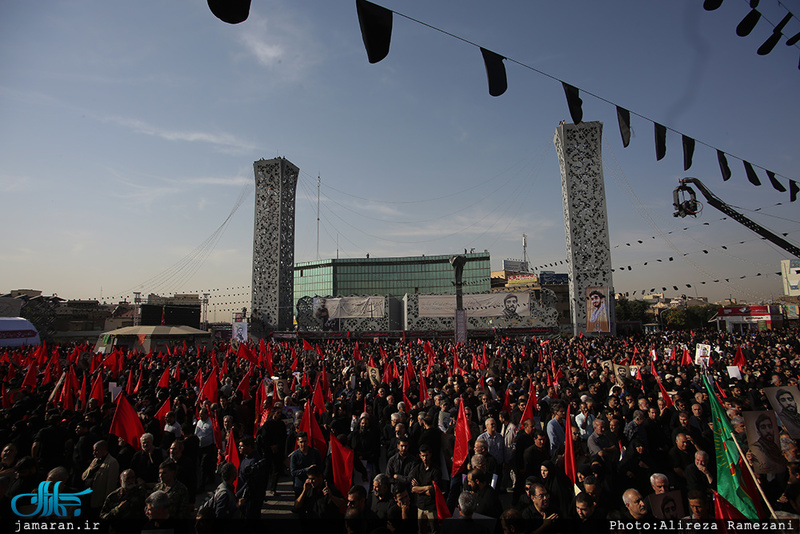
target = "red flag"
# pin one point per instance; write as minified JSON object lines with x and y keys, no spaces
{"x":212,"y":414}
{"x":667,"y":400}
{"x":318,"y":399}
{"x":176,"y":376}
{"x":138,"y":384}
{"x":30,"y":376}
{"x":686,"y":359}
{"x":5,"y":395}
{"x":126,"y":423}
{"x":569,"y":451}
{"x":442,"y":511}
{"x":164,"y":380}
{"x":67,"y":401}
{"x":244,"y":386}
{"x":82,"y":395}
{"x":423,"y":390}
{"x":342,"y":465}
{"x":725,"y":510}
{"x":307,"y":346}
{"x":198,"y":379}
{"x":161,"y":414}
{"x":507,"y":401}
{"x":245,"y":352}
{"x":356,"y":353}
{"x":410,"y":366}
{"x":463,"y":436}
{"x":309,"y":425}
{"x":530,"y":406}
{"x":739,"y":360}
{"x":583,"y":359}
{"x":232,"y":454}
{"x":211,"y":388}
{"x":97,"y":388}
{"x":130,"y":384}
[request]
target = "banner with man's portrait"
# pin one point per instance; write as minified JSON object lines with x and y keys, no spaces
{"x":784,"y":401}
{"x":762,"y":435}
{"x":598,"y":318}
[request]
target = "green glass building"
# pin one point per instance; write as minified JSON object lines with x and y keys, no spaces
{"x":389,"y":276}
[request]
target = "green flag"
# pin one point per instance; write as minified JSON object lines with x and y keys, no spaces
{"x":729,"y":479}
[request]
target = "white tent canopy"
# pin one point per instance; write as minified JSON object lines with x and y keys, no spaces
{"x":16,"y":331}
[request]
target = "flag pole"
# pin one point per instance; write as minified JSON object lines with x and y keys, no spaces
{"x":752,"y":474}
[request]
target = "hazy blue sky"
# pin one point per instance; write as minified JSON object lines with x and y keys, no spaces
{"x":128,"y":132}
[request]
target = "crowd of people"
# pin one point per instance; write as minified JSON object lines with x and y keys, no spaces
{"x":399,"y":412}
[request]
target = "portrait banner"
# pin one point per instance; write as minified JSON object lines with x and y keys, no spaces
{"x":597,"y":315}
{"x":667,"y":505}
{"x":784,"y":401}
{"x":702,"y":354}
{"x":505,"y":305}
{"x":762,"y":435}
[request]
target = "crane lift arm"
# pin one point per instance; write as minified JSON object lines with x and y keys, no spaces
{"x":689,"y":206}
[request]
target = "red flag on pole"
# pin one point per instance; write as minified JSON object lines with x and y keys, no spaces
{"x":442,"y":511}
{"x":463,"y":436}
{"x":667,"y":400}
{"x":176,"y":376}
{"x":211,"y":388}
{"x":307,"y":346}
{"x":530,"y":406}
{"x":342,"y":465}
{"x":164,"y":381}
{"x":30,"y":376}
{"x":82,"y":394}
{"x":232,"y":454}
{"x":126,"y":423}
{"x":569,"y":451}
{"x":161,"y":414}
{"x":686,"y":359}
{"x":244,"y":386}
{"x":309,"y":425}
{"x":739,"y":360}
{"x":507,"y":401}
{"x":423,"y":390}
{"x":97,"y":388}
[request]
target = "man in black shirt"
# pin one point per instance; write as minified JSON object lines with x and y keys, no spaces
{"x":423,"y":477}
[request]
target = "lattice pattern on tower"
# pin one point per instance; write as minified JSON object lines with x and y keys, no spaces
{"x":579,"y":149}
{"x":273,"y":244}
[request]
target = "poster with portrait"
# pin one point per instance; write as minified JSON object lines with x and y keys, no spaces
{"x":597,"y":309}
{"x":634,"y":370}
{"x":239,"y":331}
{"x":784,"y":401}
{"x":702,"y":354}
{"x":608,"y":364}
{"x":762,"y":435}
{"x":283,"y":388}
{"x":374,"y":375}
{"x":667,"y":505}
{"x":621,"y":372}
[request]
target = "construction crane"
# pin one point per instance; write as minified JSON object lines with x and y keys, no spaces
{"x":685,"y":202}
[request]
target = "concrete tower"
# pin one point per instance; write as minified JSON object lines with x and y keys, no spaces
{"x":272,"y":304}
{"x":580,"y":156}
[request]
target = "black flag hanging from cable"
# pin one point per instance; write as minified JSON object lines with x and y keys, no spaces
{"x":376,"y":29}
{"x":495,"y":72}
{"x":230,"y":11}
{"x":574,"y":102}
{"x":624,"y":120}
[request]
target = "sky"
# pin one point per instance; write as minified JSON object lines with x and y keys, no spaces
{"x":128,"y":133}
